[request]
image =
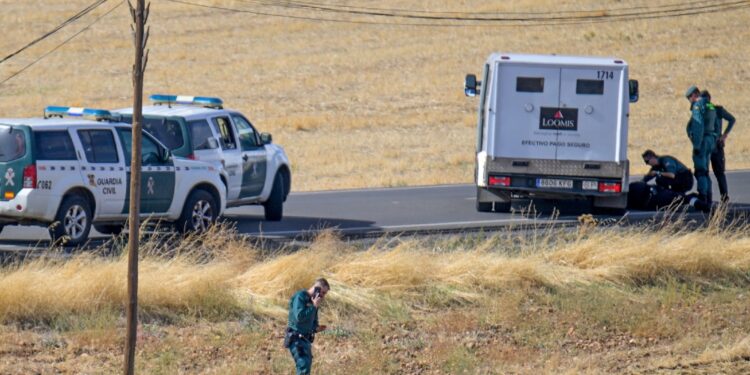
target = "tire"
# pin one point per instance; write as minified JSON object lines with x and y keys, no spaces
{"x":109,"y":229}
{"x":274,"y":206}
{"x":199,"y":212}
{"x":73,"y":221}
{"x":503,"y":207}
{"x":484,"y":206}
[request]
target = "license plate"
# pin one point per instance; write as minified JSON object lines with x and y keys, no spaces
{"x":590,"y":185}
{"x":554,"y":183}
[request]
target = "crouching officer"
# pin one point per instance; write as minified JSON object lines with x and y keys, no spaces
{"x":701,"y":131}
{"x":669,"y":172}
{"x":303,"y":324}
{"x":718,"y":162}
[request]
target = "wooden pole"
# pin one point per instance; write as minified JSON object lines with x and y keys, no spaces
{"x":140,"y":38}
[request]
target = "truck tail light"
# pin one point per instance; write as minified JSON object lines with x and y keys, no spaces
{"x":610,"y":187}
{"x":29,"y":177}
{"x":499,"y":181}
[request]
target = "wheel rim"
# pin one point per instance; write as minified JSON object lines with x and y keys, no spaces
{"x":202,"y":216}
{"x":75,"y":222}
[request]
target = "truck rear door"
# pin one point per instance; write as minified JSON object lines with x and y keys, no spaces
{"x":524,"y":92}
{"x":594,"y":95}
{"x":15,"y":156}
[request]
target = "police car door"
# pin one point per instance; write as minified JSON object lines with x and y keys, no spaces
{"x":103,"y":170}
{"x":254,"y":161}
{"x":231,"y":154}
{"x":157,"y":176}
{"x":593,"y":94}
{"x":526,"y":95}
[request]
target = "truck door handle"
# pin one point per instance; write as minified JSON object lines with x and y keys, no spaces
{"x":244,"y":157}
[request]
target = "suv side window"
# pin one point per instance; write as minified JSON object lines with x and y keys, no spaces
{"x":149,"y":148}
{"x":168,"y":132}
{"x":245,"y":133}
{"x":226,"y":135}
{"x":99,"y":146}
{"x":200,"y":131}
{"x":54,"y":145}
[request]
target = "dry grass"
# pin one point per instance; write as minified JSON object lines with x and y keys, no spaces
{"x":553,"y":301}
{"x":360,"y":106}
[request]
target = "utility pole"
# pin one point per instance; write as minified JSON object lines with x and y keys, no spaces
{"x":140,"y":38}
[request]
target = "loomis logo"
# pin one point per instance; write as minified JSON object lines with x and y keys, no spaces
{"x":558,"y":119}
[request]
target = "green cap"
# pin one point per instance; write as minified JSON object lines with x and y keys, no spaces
{"x":691,"y":90}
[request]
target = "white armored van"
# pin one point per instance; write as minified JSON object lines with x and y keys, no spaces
{"x":552,"y":127}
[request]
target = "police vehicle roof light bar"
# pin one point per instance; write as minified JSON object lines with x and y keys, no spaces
{"x":203,"y":101}
{"x":86,"y":113}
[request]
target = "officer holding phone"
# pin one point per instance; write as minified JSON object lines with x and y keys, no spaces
{"x":303,"y":324}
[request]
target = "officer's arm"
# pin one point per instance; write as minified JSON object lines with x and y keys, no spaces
{"x":727,"y":116}
{"x":670,"y":169}
{"x":696,"y":127}
{"x":300,"y":310}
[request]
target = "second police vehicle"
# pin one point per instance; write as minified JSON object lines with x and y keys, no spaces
{"x":254,"y":170}
{"x":74,"y":173}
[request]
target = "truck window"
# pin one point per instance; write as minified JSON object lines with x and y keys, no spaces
{"x":99,"y":146}
{"x":54,"y":145}
{"x":12,"y":144}
{"x":166,"y":131}
{"x":246,"y":133}
{"x":590,"y":87}
{"x":530,"y":84}
{"x":226,"y":135}
{"x":200,"y":132}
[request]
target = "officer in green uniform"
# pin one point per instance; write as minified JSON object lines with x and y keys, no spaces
{"x":303,"y":324}
{"x":669,"y":172}
{"x":718,"y":162}
{"x":701,"y":131}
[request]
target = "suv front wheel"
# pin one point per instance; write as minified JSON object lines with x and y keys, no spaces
{"x":274,"y":206}
{"x":199,"y":213}
{"x":73,"y":221}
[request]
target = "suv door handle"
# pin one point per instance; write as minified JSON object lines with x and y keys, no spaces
{"x":244,"y":157}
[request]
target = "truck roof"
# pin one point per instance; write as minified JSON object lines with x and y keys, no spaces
{"x":53,"y":122}
{"x":186,"y":111}
{"x":556,"y":60}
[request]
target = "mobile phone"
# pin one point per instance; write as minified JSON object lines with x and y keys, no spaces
{"x":316,"y":292}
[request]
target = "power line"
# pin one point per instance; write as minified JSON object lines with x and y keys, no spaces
{"x":62,"y":44}
{"x":59,"y":27}
{"x":556,"y":21}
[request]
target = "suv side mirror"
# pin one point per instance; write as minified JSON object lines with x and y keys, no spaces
{"x":164,"y":154}
{"x":266,"y":138}
{"x":212,"y":143}
{"x":471,"y":84}
{"x":633,"y":89}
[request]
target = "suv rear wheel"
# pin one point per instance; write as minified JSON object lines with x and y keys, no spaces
{"x":199,"y":213}
{"x":274,"y":206}
{"x":73,"y":221}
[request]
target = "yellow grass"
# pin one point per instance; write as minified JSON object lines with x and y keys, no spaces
{"x":358,"y":105}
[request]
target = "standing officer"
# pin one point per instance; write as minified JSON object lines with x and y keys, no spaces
{"x":718,"y":164}
{"x":701,"y":131}
{"x":303,"y":324}
{"x":669,"y":172}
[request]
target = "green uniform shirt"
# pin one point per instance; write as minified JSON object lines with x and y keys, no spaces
{"x":669,"y":164}
{"x":303,"y":315}
{"x":702,"y":122}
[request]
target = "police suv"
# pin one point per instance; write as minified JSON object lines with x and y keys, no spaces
{"x":253,"y":169}
{"x":552,"y":127}
{"x":75,"y":173}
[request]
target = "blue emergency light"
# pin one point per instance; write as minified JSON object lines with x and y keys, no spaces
{"x":86,"y":113}
{"x":203,"y":101}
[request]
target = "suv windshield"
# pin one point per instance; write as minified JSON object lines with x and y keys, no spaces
{"x":167,"y":131}
{"x":12,"y":144}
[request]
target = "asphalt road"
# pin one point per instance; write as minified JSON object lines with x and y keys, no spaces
{"x":365,"y":212}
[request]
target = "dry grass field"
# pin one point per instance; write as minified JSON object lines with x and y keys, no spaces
{"x":670,"y":300}
{"x":371,"y":105}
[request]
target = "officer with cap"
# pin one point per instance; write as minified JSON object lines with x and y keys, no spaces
{"x":701,"y":131}
{"x":718,"y":162}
